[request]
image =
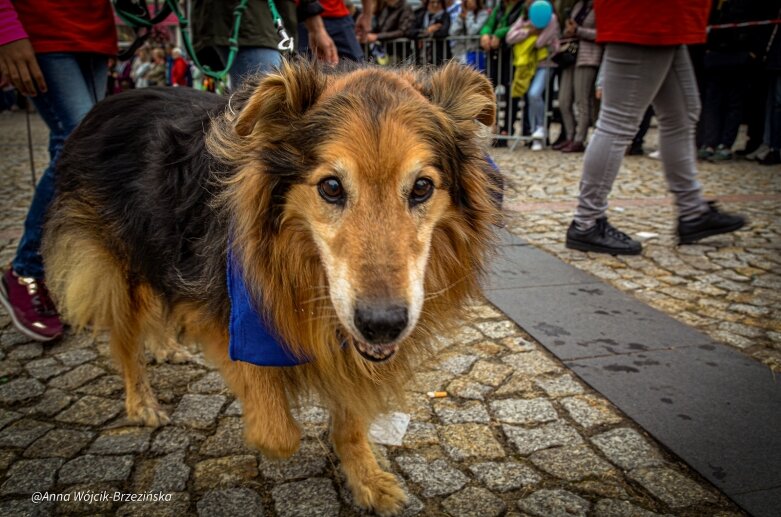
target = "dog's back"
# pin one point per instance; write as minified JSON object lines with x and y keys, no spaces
{"x":134,"y":192}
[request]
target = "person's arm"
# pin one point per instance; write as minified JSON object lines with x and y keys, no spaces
{"x":587,"y":33}
{"x":519,"y":31}
{"x":475,"y":23}
{"x":549,"y":37}
{"x":458,"y":26}
{"x":320,"y":42}
{"x":444,"y":27}
{"x":363,"y":25}
{"x":17,"y":57}
{"x":490,"y":23}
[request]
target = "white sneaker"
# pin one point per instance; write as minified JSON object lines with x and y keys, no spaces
{"x":759,"y":154}
{"x":656,"y":155}
{"x":538,"y":134}
{"x":537,"y":145}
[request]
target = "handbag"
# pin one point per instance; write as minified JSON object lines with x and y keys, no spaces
{"x":567,"y":54}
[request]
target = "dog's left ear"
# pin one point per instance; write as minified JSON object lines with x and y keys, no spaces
{"x":281,"y":98}
{"x":463,"y":92}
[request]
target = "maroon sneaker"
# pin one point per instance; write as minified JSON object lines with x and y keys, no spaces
{"x":30,"y":307}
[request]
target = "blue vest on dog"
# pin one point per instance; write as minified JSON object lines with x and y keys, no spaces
{"x":251,"y":339}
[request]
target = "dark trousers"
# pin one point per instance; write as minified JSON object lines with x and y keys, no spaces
{"x":645,"y":124}
{"x":342,"y":31}
{"x":722,"y":111}
{"x":499,"y":67}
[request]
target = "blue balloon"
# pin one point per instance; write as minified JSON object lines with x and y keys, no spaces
{"x":540,"y":13}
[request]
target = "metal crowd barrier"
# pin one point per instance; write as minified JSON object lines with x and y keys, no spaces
{"x":497,"y":65}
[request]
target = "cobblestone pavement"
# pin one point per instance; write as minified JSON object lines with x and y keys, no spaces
{"x":729,"y":286}
{"x":517,"y":435}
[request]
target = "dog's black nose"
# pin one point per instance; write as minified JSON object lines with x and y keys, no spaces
{"x":380,"y":323}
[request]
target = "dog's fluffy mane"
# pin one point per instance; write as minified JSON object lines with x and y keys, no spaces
{"x":258,"y":144}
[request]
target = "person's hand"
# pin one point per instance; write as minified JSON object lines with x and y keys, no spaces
{"x":495,"y":42}
{"x":431,"y":29}
{"x":363,"y":26}
{"x":598,"y":93}
{"x":18,"y":63}
{"x":323,"y":47}
{"x":371,"y":37}
{"x":570,"y":27}
{"x":485,"y":42}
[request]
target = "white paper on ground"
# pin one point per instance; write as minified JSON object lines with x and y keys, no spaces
{"x":647,"y":235}
{"x":389,"y":429}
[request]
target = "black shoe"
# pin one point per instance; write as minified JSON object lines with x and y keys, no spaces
{"x":771,"y":158}
{"x":710,"y":223}
{"x":602,"y":238}
{"x":635,"y":150}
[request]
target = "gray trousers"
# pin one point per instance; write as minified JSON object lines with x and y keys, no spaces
{"x":566,"y":100}
{"x":634,"y":77}
{"x":585,"y":76}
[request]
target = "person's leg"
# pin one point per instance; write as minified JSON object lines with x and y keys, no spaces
{"x":566,"y":98}
{"x":734,"y":98}
{"x":584,"y":98}
{"x":632,"y":77}
{"x":677,"y":107}
{"x":773,"y":121}
{"x":712,"y":109}
{"x":250,"y":61}
{"x":76,"y":83}
{"x":342,"y":31}
{"x":536,"y":96}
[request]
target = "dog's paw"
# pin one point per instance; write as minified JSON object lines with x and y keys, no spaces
{"x":173,"y":353}
{"x":379,"y":492}
{"x":150,"y":416}
{"x":277,"y":444}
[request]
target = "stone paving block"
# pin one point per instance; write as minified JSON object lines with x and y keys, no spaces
{"x":503,"y":477}
{"x":436,"y":477}
{"x":531,"y":363}
{"x":223,"y":472}
{"x":517,"y":384}
{"x":122,"y":441}
{"x":573,"y":463}
{"x":45,"y":368}
{"x":230,"y":503}
{"x":467,"y":441}
{"x":77,"y":377}
{"x":79,"y":505}
{"x":60,"y":443}
{"x":29,"y":476}
{"x":464,"y":388}
{"x":25,"y":352}
{"x":492,"y":374}
{"x":6,"y":417}
{"x":420,"y":434}
{"x":198,"y":411}
{"x":524,"y":411}
{"x":52,"y":402}
{"x":93,"y":469}
{"x":450,"y":412}
{"x":176,"y":507}
{"x":106,"y":386}
{"x":7,"y":457}
{"x":313,"y":497}
{"x":456,"y":364}
{"x":23,"y":432}
{"x":91,"y":410}
{"x":627,"y":449}
{"x":20,"y":389}
{"x":559,"y":386}
{"x":25,"y":508}
{"x":527,"y":441}
{"x":554,"y":503}
{"x":671,"y":487}
{"x":171,"y":439}
{"x":227,"y":440}
{"x":171,"y":473}
{"x":76,"y":357}
{"x":616,"y":508}
{"x":234,"y":409}
{"x":497,"y":329}
{"x":309,"y":461}
{"x":589,"y":411}
{"x":209,"y":384}
{"x":474,"y":502}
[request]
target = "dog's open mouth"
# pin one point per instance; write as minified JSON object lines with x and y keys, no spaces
{"x":375,"y":353}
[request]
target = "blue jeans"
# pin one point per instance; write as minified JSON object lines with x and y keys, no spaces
{"x":250,"y":61}
{"x":536,"y":96}
{"x":76,"y":82}
{"x":342,"y":31}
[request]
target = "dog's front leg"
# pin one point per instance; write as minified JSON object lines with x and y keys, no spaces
{"x":372,"y":487}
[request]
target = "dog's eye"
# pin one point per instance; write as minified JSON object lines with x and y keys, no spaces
{"x":421,"y":191}
{"x":331,"y":190}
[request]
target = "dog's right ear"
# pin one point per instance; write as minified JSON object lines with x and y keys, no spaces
{"x":280,"y":98}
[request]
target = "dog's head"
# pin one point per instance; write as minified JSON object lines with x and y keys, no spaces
{"x":363,"y":195}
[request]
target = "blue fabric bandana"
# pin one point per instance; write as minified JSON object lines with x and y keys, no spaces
{"x":251,"y":339}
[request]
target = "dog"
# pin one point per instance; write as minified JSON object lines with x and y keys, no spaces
{"x":357,"y":203}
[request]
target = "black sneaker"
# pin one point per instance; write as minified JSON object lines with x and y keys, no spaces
{"x":710,"y":223}
{"x":602,"y":238}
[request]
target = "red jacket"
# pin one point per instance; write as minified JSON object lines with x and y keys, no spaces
{"x":60,"y":26}
{"x":656,"y":23}
{"x":179,"y":72}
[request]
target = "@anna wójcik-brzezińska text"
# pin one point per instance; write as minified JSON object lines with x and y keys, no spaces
{"x":91,"y":497}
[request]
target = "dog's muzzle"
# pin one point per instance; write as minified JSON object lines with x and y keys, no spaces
{"x":380,"y":325}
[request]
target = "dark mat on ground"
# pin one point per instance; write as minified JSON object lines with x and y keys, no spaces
{"x":715,"y":408}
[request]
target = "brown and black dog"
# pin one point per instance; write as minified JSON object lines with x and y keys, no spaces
{"x":358,"y":206}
